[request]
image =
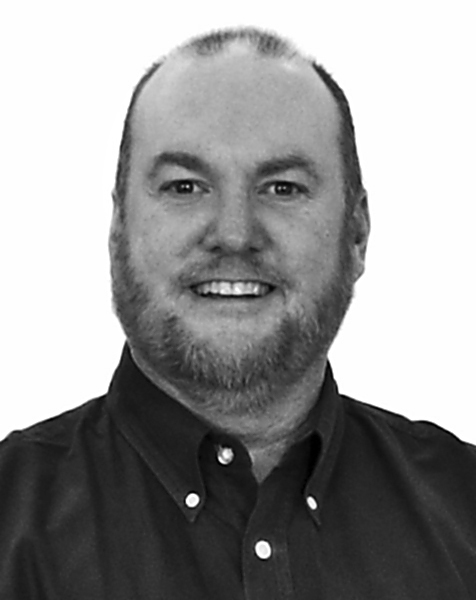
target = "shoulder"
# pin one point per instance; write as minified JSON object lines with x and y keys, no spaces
{"x":56,"y":433}
{"x":368,"y":416}
{"x":424,"y":450}
{"x":31,"y":459}
{"x":39,"y":469}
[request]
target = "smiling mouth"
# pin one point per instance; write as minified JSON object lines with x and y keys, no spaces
{"x":233,"y":289}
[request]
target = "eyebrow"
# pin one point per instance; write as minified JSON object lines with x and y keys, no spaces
{"x":178,"y":159}
{"x":279,"y":164}
{"x":268,"y":168}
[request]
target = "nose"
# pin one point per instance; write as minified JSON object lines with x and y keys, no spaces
{"x":236,"y":226}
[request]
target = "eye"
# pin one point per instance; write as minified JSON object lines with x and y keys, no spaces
{"x":184,"y":187}
{"x":283,"y":188}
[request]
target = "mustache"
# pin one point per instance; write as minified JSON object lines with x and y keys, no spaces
{"x":220,"y":266}
{"x":237,"y":267}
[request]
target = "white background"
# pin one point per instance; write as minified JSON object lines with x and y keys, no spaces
{"x":67,"y":70}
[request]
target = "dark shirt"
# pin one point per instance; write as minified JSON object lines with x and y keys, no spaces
{"x":131,"y":497}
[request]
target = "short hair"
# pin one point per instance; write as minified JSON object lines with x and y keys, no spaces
{"x":268,"y":45}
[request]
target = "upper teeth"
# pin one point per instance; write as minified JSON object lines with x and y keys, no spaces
{"x":233,"y":288}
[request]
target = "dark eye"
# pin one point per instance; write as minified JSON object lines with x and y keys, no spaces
{"x":183,"y":187}
{"x":283,"y":189}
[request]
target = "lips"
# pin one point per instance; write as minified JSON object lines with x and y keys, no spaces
{"x":233,"y":289}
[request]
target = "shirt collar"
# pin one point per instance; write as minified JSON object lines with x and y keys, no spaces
{"x":326,"y":419}
{"x":168,"y":436}
{"x":162,"y":431}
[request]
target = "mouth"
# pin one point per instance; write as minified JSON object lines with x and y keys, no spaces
{"x":233,"y":290}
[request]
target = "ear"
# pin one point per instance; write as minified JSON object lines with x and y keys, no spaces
{"x":360,"y":231}
{"x":118,"y":213}
{"x":116,"y":218}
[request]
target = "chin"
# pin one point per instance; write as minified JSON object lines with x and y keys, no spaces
{"x":235,"y":335}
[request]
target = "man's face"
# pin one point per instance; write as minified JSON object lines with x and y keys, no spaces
{"x":231,"y":255}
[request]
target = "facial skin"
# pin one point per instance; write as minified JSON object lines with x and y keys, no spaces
{"x":235,"y":176}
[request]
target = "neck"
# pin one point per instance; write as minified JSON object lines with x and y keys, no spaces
{"x":268,"y":430}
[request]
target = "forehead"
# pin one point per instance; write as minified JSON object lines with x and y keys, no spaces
{"x":236,"y":103}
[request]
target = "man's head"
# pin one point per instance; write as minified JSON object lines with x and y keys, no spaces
{"x":264,"y":44}
{"x":240,"y":221}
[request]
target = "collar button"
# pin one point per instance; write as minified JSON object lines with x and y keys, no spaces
{"x":312,"y":503}
{"x":225,"y":455}
{"x":192,"y":500}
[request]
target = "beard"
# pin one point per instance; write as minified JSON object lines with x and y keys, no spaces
{"x":232,"y":383}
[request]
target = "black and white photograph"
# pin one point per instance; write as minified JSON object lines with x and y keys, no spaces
{"x":238,"y":301}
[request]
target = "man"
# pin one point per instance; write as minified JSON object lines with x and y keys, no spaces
{"x":223,"y":463}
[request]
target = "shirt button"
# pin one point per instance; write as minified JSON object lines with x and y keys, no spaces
{"x":225,"y":455}
{"x":263,"y":549}
{"x":192,"y":500}
{"x":312,"y":502}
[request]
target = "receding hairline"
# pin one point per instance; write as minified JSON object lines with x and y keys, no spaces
{"x":265,"y":44}
{"x":195,"y":50}
{"x":256,"y":43}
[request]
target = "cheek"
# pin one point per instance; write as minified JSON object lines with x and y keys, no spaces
{"x":159,"y":249}
{"x":313,"y":258}
{"x":160,"y":232}
{"x":314,"y":248}
{"x":149,"y":248}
